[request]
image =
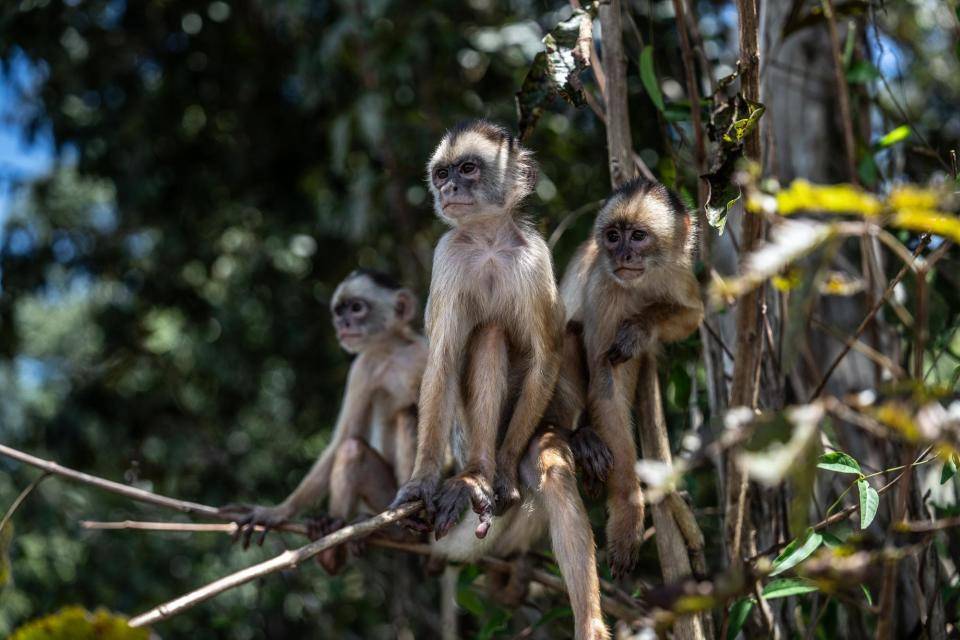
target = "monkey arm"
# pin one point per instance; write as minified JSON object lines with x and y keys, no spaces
{"x":352,"y":422}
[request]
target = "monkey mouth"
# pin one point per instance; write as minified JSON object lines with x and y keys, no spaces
{"x":349,"y":336}
{"x":629,"y":273}
{"x":456,"y":203}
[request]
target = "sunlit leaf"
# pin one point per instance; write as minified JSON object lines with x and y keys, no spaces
{"x":770,"y":465}
{"x":739,"y":612}
{"x":928,"y":221}
{"x":555,"y":71}
{"x":866,"y":594}
{"x":899,"y":134}
{"x":70,"y":623}
{"x":786,"y":587}
{"x":838,"y":283}
{"x":869,"y":503}
{"x":838,"y":198}
{"x":789,"y":241}
{"x":839,"y":462}
{"x":732,"y":118}
{"x":649,"y":77}
{"x":796,"y":552}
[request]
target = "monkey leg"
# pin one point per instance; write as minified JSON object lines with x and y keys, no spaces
{"x":611,"y":393}
{"x":359,"y":473}
{"x":549,"y":471}
{"x":486,"y":394}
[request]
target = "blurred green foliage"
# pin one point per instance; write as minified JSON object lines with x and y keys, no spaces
{"x":220,"y":166}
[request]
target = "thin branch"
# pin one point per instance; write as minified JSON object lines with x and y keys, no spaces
{"x":860,"y":347}
{"x":125,"y":490}
{"x":20,"y":500}
{"x":286,"y":560}
{"x":622,"y":606}
{"x":842,"y":91}
{"x":569,"y":219}
{"x":924,"y":241}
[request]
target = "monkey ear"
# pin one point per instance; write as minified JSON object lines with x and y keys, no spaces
{"x":405,"y":305}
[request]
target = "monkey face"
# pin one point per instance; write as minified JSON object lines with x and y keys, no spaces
{"x":628,"y":247}
{"x":367,"y":306}
{"x":479,"y":171}
{"x":457,"y":186}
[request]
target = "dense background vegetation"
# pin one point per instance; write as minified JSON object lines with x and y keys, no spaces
{"x":216,"y":168}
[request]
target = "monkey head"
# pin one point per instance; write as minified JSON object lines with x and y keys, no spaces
{"x":643,"y":226}
{"x":369,"y":305}
{"x":479,"y":170}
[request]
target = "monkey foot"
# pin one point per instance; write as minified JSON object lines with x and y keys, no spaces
{"x":459,"y":492}
{"x":622,"y":557}
{"x":624,"y":539}
{"x":506,"y":493}
{"x":593,"y":457}
{"x":424,"y":489}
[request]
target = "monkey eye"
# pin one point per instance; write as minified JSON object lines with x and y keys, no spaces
{"x":638,"y":235}
{"x":356,"y":307}
{"x":467,"y":168}
{"x":442,"y":174}
{"x":613,"y":236}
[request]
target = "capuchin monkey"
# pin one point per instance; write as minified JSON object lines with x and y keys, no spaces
{"x":630,"y":287}
{"x":374,"y":440}
{"x":495,"y":323}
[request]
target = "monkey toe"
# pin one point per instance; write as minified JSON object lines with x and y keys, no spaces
{"x":593,"y":457}
{"x":451,"y":503}
{"x":622,"y":558}
{"x":332,"y":560}
{"x":506,"y":495}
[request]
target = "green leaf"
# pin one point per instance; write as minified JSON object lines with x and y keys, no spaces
{"x":796,"y":552}
{"x":862,"y":72}
{"x":554,"y":614}
{"x":649,"y":77}
{"x":679,"y":386}
{"x":74,"y":622}
{"x":739,"y":612}
{"x":785,"y":587}
{"x":869,"y":503}
{"x":839,"y":462}
{"x":831,"y":540}
{"x":470,"y":601}
{"x":899,"y":134}
{"x":949,"y":470}
{"x":495,"y":624}
{"x":866,"y":594}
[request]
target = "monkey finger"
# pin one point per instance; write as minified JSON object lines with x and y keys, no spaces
{"x":417,"y":525}
{"x":241,"y":524}
{"x":616,"y":355}
{"x":263,"y":534}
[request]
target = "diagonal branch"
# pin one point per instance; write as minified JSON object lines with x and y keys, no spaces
{"x":286,"y":560}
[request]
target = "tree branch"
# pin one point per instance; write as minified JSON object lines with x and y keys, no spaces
{"x":286,"y":560}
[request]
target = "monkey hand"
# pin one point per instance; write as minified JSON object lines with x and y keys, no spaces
{"x":457,"y":492}
{"x":593,"y":457}
{"x":249,"y":518}
{"x":629,"y":342}
{"x":506,"y":491}
{"x":624,"y":539}
{"x":424,"y":489}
